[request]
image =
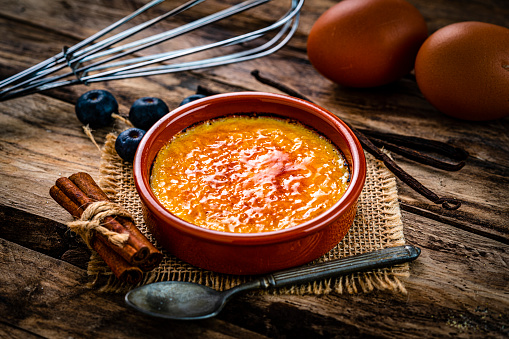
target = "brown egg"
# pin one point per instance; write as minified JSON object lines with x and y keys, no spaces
{"x":366,"y":43}
{"x":463,"y":70}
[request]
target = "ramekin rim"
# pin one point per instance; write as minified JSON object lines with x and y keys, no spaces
{"x":316,"y":224}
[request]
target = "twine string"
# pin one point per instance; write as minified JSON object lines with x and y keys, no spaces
{"x":92,"y":221}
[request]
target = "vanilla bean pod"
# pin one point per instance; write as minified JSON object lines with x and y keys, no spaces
{"x":417,"y":143}
{"x":277,"y":85}
{"x":205,"y":91}
{"x":417,"y":156}
{"x":447,"y":203}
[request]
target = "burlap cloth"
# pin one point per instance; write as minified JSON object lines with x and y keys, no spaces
{"x":377,"y":225}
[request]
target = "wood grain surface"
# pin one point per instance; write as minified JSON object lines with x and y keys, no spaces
{"x":459,"y":287}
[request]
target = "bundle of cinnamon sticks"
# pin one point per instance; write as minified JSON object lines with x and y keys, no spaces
{"x":128,"y":260}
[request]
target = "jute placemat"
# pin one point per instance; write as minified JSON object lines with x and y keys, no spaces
{"x":377,"y":225}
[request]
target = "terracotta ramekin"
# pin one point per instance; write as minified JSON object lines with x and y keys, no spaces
{"x":254,"y":253}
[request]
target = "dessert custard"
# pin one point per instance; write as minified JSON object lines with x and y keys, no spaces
{"x":248,"y":174}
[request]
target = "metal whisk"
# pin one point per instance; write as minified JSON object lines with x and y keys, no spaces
{"x":100,"y":58}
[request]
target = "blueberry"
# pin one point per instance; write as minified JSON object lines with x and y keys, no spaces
{"x":94,"y":108}
{"x":127,"y":142}
{"x":146,"y":111}
{"x":192,"y":98}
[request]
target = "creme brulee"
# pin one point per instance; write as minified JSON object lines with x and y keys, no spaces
{"x":249,"y":174}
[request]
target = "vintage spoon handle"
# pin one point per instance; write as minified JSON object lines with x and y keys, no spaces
{"x":372,"y":260}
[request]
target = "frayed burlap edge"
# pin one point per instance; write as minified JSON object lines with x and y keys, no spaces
{"x":383,"y":210}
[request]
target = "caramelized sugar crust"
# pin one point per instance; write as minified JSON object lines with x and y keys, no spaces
{"x":249,"y":174}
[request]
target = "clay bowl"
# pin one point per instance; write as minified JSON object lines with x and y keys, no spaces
{"x":253,"y":253}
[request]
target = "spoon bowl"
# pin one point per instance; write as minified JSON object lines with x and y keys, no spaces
{"x":176,"y":300}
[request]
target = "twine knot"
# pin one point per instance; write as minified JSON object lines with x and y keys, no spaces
{"x":92,"y":221}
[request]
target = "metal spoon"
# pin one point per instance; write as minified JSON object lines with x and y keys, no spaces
{"x":186,"y":301}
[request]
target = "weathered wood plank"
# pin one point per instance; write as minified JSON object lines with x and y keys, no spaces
{"x":457,"y":288}
{"x":41,"y":140}
{"x":458,"y":285}
{"x":9,"y":331}
{"x":49,"y":298}
{"x":37,"y":233}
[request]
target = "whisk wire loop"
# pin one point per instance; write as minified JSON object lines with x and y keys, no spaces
{"x":94,"y":60}
{"x":61,"y":61}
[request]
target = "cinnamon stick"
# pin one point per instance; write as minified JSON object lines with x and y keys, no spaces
{"x":133,"y":251}
{"x":64,"y":201}
{"x":127,"y":252}
{"x":80,"y":190}
{"x":120,"y":268}
{"x":87,"y":184}
{"x":152,"y":255}
{"x":153,"y":260}
{"x":118,"y":265}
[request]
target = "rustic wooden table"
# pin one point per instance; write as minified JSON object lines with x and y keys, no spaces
{"x":457,"y":288}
